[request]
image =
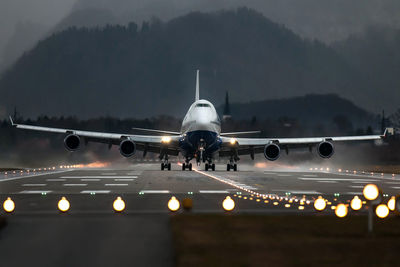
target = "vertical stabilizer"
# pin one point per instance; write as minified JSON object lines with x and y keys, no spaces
{"x":197,"y":87}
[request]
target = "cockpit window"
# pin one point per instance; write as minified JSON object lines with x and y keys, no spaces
{"x":203,"y":105}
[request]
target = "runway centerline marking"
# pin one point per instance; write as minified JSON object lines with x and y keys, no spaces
{"x":75,"y":184}
{"x":154,"y":191}
{"x":35,"y":192}
{"x":34,"y":184}
{"x":109,"y":173}
{"x":95,"y":191}
{"x":330,"y":182}
{"x":90,"y":180}
{"x":55,"y":180}
{"x":116,"y":184}
{"x":124,"y":180}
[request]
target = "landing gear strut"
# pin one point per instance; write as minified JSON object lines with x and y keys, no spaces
{"x":210,"y":166}
{"x":231,"y":165}
{"x":187,"y":165}
{"x":165,"y":164}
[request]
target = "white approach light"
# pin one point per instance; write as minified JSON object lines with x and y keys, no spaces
{"x":228,"y":204}
{"x":63,"y":205}
{"x":356,"y":203}
{"x":173,"y":204}
{"x":119,"y":204}
{"x":320,"y":204}
{"x":9,"y":205}
{"x":371,"y":192}
{"x":341,"y":210}
{"x":382,"y":211}
{"x":392,"y":203}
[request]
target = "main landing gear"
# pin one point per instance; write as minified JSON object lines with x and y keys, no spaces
{"x":165,"y":164}
{"x":210,"y":166}
{"x":187,"y":166}
{"x":231,"y":165}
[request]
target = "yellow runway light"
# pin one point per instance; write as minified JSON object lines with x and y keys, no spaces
{"x":392,"y":203}
{"x":341,"y":210}
{"x":119,"y":204}
{"x":9,"y":205}
{"x":173,"y":204}
{"x":63,"y":205}
{"x":228,"y":204}
{"x":382,"y":211}
{"x":320,"y":204}
{"x":371,"y":192}
{"x":356,"y":203}
{"x":301,"y":207}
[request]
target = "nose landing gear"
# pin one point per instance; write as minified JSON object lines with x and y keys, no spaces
{"x":231,"y":165}
{"x":187,"y":166}
{"x":210,"y":166}
{"x":165,"y":164}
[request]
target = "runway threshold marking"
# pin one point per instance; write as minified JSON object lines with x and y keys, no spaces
{"x":32,"y":175}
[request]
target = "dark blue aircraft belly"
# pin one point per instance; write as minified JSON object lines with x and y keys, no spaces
{"x":190,"y":143}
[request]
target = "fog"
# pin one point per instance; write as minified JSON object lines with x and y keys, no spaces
{"x":24,"y":22}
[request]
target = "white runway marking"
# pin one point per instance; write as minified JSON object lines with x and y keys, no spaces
{"x":90,"y":180}
{"x":32,"y":175}
{"x":395,"y":187}
{"x":338,"y":179}
{"x":352,"y":193}
{"x":34,"y":184}
{"x":356,"y":186}
{"x":304,"y":192}
{"x":109,"y":173}
{"x":309,"y":175}
{"x":284,"y":175}
{"x":95,"y":191}
{"x":116,"y":184}
{"x":35,"y":192}
{"x":269,"y":172}
{"x":392,"y":182}
{"x":330,"y":182}
{"x":154,"y":191}
{"x":75,"y":184}
{"x":213,"y":192}
{"x":97,"y":177}
{"x":55,"y":180}
{"x":124,"y":180}
{"x":134,"y":173}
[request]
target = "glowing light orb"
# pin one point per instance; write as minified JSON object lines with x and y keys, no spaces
{"x":228,"y":204}
{"x":371,"y":192}
{"x":356,"y":203}
{"x":9,"y":205}
{"x":119,"y":204}
{"x":173,"y":204}
{"x":341,"y":210}
{"x":320,"y":204}
{"x":392,"y":203}
{"x":382,"y":211}
{"x":63,"y":205}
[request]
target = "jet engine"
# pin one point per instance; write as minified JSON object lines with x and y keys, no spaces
{"x":72,"y":142}
{"x":325,"y":149}
{"x":272,"y":152}
{"x":127,"y":148}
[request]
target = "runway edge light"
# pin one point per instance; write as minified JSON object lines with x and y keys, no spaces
{"x":9,"y":205}
{"x":119,"y":204}
{"x":228,"y":204}
{"x":320,"y":204}
{"x":392,"y":203}
{"x":371,"y":192}
{"x":63,"y":205}
{"x":382,"y":211}
{"x":341,"y":210}
{"x":356,"y":203}
{"x":173,"y":204}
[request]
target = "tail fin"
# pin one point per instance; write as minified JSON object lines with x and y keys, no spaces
{"x":197,"y":87}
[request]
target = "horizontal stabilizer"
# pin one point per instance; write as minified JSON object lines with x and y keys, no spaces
{"x":156,"y":131}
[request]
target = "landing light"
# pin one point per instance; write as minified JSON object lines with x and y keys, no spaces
{"x":63,"y":205}
{"x":173,"y":204}
{"x":119,"y":204}
{"x":228,"y":204}
{"x":320,"y":204}
{"x":232,"y":141}
{"x":341,"y":210}
{"x":371,"y":192}
{"x":166,"y":139}
{"x":382,"y":211}
{"x":356,"y":203}
{"x":9,"y":205}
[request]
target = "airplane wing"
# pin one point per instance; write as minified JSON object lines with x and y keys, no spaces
{"x":167,"y":144}
{"x":251,"y":146}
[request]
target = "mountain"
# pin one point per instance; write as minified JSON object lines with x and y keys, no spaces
{"x":310,"y":109}
{"x":144,"y":71}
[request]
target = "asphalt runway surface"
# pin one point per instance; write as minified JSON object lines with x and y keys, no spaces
{"x":92,"y":234}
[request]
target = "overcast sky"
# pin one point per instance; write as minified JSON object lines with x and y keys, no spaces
{"x":326,"y":20}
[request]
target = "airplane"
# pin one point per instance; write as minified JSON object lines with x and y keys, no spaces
{"x":200,"y":138}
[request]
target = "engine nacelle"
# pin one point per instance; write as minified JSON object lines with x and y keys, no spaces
{"x":127,"y":148}
{"x":325,"y":149}
{"x":272,"y":152}
{"x":72,"y":142}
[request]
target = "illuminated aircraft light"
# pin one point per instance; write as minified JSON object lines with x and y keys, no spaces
{"x":9,"y":205}
{"x":173,"y":204}
{"x":392,"y":203}
{"x":301,"y":208}
{"x":118,"y":204}
{"x":228,"y":204}
{"x":371,"y":192}
{"x":165,"y":139}
{"x":320,"y":204}
{"x":232,"y":141}
{"x":340,"y":170}
{"x":63,"y":205}
{"x":382,"y":211}
{"x":356,"y":203}
{"x":341,"y":210}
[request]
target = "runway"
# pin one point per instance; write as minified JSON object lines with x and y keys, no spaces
{"x":146,"y":189}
